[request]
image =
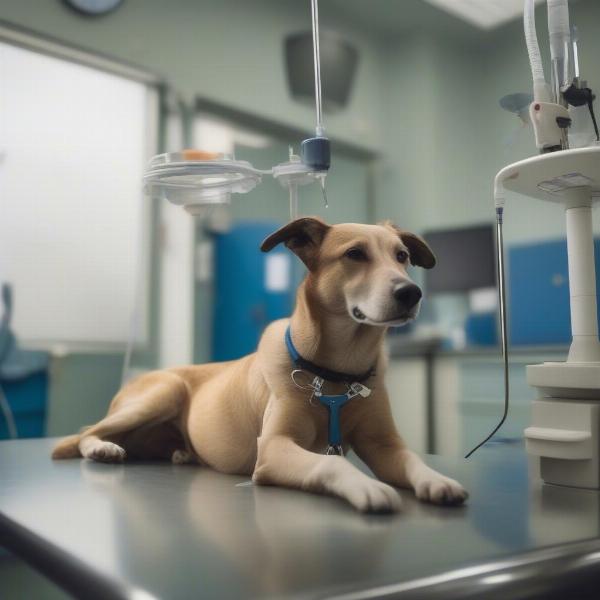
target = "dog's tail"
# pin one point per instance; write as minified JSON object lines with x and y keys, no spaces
{"x":67,"y":448}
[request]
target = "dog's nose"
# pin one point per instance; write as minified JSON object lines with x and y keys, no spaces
{"x":408,"y":295}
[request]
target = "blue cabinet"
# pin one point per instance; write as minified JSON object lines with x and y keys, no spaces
{"x":27,"y":398}
{"x":252,"y":288}
{"x":539,"y":308}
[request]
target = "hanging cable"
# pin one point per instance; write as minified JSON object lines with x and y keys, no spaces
{"x":503,"y":332}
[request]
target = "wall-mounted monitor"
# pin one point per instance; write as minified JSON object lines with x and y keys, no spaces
{"x":465,"y":259}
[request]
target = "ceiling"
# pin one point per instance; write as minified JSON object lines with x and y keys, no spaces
{"x":392,"y":17}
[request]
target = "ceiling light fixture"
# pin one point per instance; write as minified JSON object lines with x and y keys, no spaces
{"x":485,"y":14}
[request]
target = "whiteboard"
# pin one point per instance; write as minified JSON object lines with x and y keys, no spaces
{"x":73,"y":219}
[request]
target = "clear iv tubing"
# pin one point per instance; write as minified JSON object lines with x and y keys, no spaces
{"x":559,"y":31}
{"x":314,"y":6}
{"x":133,"y":313}
{"x":293,"y":201}
{"x":499,"y":199}
{"x":8,"y":416}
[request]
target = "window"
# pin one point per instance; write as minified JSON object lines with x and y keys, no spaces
{"x":74,"y":141}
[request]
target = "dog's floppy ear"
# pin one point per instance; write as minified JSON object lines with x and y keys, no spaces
{"x":421,"y":255}
{"x":302,"y":236}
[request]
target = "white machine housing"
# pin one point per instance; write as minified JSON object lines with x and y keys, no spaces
{"x":566,"y":417}
{"x":544,"y":117}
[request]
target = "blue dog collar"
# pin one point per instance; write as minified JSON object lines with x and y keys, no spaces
{"x":322,"y":372}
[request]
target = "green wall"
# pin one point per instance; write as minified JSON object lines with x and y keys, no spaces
{"x":429,"y":176}
{"x":81,"y":386}
{"x":226,"y":50}
{"x":446,"y":136}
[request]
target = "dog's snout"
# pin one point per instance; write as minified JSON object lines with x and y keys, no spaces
{"x":408,"y":295}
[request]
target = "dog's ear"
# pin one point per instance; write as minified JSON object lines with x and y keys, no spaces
{"x":421,"y":255}
{"x":302,"y":236}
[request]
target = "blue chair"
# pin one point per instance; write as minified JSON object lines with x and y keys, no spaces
{"x":23,"y":382}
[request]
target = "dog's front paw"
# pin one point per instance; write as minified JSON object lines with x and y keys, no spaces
{"x":336,"y":476}
{"x":368,"y":495}
{"x":438,"y":489}
{"x":102,"y":451}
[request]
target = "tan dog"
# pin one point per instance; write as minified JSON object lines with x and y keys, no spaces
{"x":248,"y":417}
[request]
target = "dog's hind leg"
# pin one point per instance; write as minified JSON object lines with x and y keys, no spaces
{"x":68,"y":447}
{"x":150,"y":400}
{"x":182,"y":457}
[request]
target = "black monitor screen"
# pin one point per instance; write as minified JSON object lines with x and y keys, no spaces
{"x":465,"y":259}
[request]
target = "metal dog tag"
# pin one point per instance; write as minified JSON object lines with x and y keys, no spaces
{"x":334,"y":450}
{"x":317,"y":385}
{"x":360,"y":389}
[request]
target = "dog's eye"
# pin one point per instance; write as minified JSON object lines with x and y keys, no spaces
{"x":355,"y":254}
{"x":402,"y":256}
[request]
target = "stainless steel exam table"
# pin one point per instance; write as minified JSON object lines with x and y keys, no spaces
{"x":156,"y":530}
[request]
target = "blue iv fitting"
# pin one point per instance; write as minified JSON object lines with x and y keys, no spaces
{"x":316,"y":153}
